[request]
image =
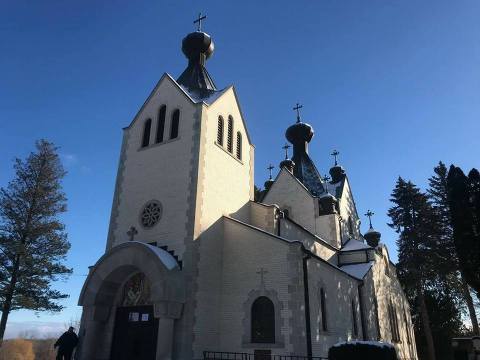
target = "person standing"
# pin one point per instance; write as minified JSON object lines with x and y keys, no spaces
{"x":66,"y":343}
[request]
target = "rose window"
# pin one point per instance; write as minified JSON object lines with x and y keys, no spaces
{"x":151,"y":214}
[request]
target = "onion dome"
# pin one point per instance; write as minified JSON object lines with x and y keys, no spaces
{"x":197,"y":47}
{"x":337,"y":173}
{"x":373,"y":237}
{"x":287,"y":164}
{"x":299,"y":132}
{"x":327,"y":204}
{"x":268,"y":184}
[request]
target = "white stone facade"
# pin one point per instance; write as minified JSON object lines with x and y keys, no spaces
{"x":228,"y":251}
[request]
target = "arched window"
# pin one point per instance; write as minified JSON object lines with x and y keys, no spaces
{"x":161,"y":124}
{"x":175,"y":123}
{"x":354,"y":319}
{"x":230,"y":135}
{"x":350,"y":226}
{"x":323,"y":309}
{"x":263,"y":321}
{"x":239,"y":145}
{"x":392,"y":314}
{"x":146,"y":133}
{"x":220,"y":131}
{"x":407,"y":329}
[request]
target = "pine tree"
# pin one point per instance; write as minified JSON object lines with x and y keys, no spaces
{"x":454,"y":279}
{"x":416,"y":223}
{"x":464,"y":199}
{"x":33,"y":242}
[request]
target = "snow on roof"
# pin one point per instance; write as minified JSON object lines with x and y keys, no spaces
{"x":357,"y":270}
{"x":373,"y":343}
{"x":355,"y":245}
{"x":208,"y":99}
{"x":167,"y":259}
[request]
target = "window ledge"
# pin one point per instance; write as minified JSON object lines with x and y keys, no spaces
{"x":160,"y":143}
{"x":228,"y":152}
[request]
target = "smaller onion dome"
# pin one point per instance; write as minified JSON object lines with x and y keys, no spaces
{"x":299,"y":132}
{"x":327,"y":204}
{"x":373,"y":237}
{"x":287,"y":164}
{"x":337,"y":173}
{"x":268,"y":184}
{"x":197,"y":43}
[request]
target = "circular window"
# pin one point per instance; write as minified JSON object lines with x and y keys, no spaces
{"x":151,"y":214}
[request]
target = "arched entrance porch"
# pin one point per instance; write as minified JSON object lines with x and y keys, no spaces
{"x":102,"y":295}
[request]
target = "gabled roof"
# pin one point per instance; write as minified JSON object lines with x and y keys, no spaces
{"x":353,"y":245}
{"x":194,"y":97}
{"x":357,"y":270}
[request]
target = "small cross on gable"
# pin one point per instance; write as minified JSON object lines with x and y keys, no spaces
{"x":270,"y":168}
{"x":199,"y":21}
{"x":286,"y":147}
{"x":132,"y":232}
{"x":262,"y":273}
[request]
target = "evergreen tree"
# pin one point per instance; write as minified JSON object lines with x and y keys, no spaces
{"x":33,"y":242}
{"x":464,"y":199}
{"x":414,"y":219}
{"x":453,"y":279}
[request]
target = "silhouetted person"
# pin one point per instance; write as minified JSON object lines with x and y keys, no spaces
{"x":66,"y":343}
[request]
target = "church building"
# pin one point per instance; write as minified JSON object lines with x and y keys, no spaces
{"x":196,"y":268}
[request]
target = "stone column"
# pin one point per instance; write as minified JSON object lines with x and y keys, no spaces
{"x":165,"y":338}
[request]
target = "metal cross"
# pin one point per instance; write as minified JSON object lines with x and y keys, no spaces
{"x":286,"y":147}
{"x":132,"y":232}
{"x":325,"y":179}
{"x":335,"y":153}
{"x":297,"y":109}
{"x":270,"y":168}
{"x":369,"y":214}
{"x":262,"y":273}
{"x":199,"y":21}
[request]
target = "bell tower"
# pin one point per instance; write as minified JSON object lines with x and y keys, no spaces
{"x":179,"y":169}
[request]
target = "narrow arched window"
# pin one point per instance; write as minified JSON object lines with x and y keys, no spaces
{"x":174,"y":125}
{"x":263,"y":321}
{"x":350,"y":226}
{"x":323,"y":309}
{"x":161,"y":124}
{"x":146,"y":133}
{"x":230,"y":135}
{"x":220,"y":131}
{"x":354,"y":319}
{"x":407,"y":329}
{"x":239,"y":146}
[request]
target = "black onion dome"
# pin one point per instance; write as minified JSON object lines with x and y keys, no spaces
{"x":289,"y":164}
{"x":299,"y":132}
{"x":197,"y":43}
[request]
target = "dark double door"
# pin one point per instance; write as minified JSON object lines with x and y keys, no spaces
{"x":135,"y":334}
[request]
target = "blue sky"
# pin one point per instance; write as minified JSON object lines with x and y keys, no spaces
{"x":393,"y":85}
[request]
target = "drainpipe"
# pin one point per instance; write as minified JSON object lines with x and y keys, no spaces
{"x":308,"y":333}
{"x":362,"y":317}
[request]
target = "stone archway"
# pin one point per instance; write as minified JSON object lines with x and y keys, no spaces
{"x":101,"y":289}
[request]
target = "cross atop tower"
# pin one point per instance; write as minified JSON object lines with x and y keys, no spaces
{"x":270,"y":168}
{"x":199,"y":21}
{"x":335,"y":154}
{"x":297,"y":109}
{"x":286,"y":147}
{"x":369,"y":214}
